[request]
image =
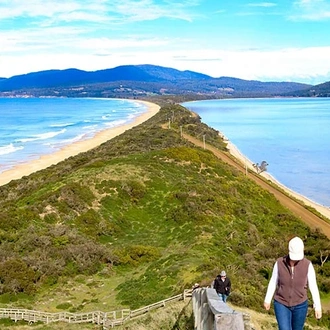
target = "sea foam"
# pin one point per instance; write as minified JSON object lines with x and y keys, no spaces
{"x":9,"y":149}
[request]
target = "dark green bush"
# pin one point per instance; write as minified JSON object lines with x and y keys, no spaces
{"x":135,"y":190}
{"x":136,"y":254}
{"x":64,"y":306}
{"x":16,"y":276}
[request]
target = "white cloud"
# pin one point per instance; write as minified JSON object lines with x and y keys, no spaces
{"x":36,"y":8}
{"x":19,"y":43}
{"x":150,"y":10}
{"x":108,"y":45}
{"x":311,"y":10}
{"x":74,"y":40}
{"x":90,"y":39}
{"x":262,"y":4}
{"x":97,"y":10}
{"x":287,"y":64}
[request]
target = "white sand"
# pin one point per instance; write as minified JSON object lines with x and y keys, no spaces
{"x":244,"y":160}
{"x":73,"y":149}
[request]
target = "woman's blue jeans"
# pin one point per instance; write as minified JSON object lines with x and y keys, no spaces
{"x":290,"y":318}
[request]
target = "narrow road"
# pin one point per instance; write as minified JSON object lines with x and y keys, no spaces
{"x":311,"y":219}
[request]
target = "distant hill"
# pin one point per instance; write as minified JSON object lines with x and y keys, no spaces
{"x":137,"y":81}
{"x":321,"y":90}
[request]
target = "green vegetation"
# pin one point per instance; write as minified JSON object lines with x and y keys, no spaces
{"x":139,"y":219}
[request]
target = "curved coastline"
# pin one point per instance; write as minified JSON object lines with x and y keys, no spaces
{"x":74,"y":149}
{"x":234,"y":151}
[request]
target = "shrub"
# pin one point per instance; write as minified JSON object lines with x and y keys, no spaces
{"x":134,"y":189}
{"x":88,"y":222}
{"x":325,"y":285}
{"x":64,"y":306}
{"x":135,"y":254}
{"x":16,"y":276}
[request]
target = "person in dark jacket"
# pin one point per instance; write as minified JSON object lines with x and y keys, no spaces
{"x":292,"y":275}
{"x":222,"y":286}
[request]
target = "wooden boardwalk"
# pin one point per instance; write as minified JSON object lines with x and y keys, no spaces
{"x":105,"y":319}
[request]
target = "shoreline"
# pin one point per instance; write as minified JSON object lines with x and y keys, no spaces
{"x":27,"y":168}
{"x":234,"y":151}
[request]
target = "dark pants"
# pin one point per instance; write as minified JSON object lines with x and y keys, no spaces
{"x":290,"y":318}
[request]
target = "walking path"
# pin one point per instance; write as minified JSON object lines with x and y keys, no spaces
{"x":311,"y":219}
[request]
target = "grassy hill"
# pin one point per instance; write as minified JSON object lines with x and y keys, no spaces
{"x":139,"y":219}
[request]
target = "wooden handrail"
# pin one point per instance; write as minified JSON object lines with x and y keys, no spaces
{"x":105,"y":319}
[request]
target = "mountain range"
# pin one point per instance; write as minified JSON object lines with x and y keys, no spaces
{"x":146,"y":80}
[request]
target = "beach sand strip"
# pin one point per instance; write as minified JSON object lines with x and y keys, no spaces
{"x":74,"y":149}
{"x":234,"y":151}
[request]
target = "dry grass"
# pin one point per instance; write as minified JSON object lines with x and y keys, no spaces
{"x":173,"y":316}
{"x":258,"y":321}
{"x":53,"y":326}
{"x":264,"y":321}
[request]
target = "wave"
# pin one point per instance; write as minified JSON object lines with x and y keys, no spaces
{"x":63,"y":125}
{"x":116,"y":123}
{"x":77,"y":138}
{"x":9,"y":149}
{"x":114,"y":113}
{"x":107,"y":116}
{"x":89,"y":128}
{"x":74,"y":139}
{"x":43,"y":136}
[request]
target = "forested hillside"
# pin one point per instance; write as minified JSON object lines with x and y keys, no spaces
{"x":139,"y":219}
{"x":138,"y":81}
{"x":321,"y":90}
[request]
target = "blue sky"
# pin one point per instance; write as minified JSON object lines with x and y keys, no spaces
{"x":279,"y":40}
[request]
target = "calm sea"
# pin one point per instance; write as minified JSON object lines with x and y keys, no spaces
{"x":291,"y":135}
{"x":33,"y":127}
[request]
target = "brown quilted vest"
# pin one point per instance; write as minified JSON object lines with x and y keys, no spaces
{"x":291,"y":285}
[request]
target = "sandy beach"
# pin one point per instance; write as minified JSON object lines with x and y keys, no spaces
{"x":74,"y":149}
{"x":244,"y":160}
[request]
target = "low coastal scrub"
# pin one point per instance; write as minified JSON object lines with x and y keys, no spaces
{"x":141,"y":218}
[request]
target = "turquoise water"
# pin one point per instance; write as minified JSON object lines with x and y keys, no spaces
{"x":33,"y":127}
{"x":292,"y":135}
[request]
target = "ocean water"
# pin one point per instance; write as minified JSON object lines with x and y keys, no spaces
{"x":31,"y":127}
{"x":291,"y":134}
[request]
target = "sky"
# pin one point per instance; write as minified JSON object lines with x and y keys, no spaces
{"x":280,"y":40}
